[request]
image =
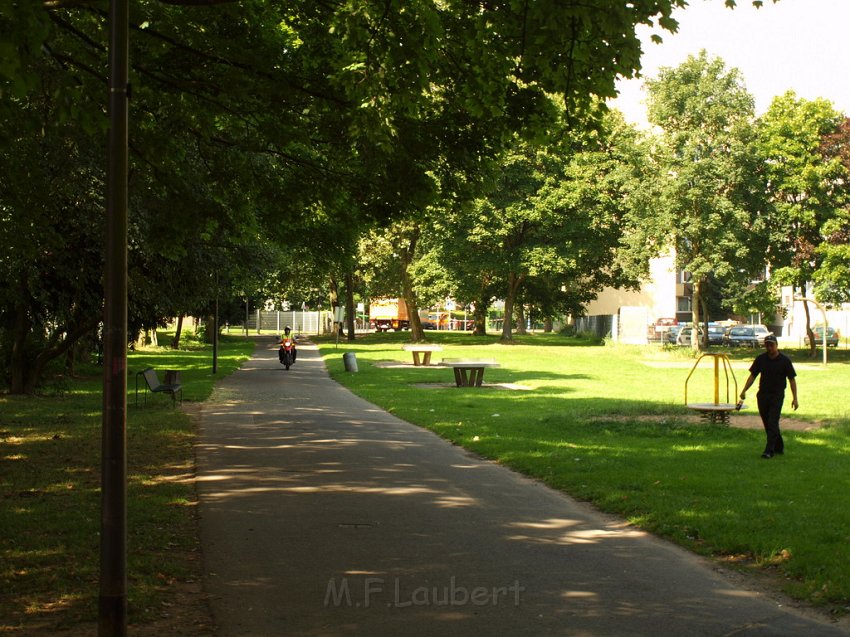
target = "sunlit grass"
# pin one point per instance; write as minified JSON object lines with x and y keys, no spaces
{"x":609,"y":425}
{"x":50,"y":510}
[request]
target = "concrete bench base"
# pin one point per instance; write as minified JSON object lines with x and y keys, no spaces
{"x":469,"y":373}
{"x":425,"y":350}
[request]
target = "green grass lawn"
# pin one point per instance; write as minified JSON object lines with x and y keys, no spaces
{"x":607,"y":424}
{"x":50,"y":486}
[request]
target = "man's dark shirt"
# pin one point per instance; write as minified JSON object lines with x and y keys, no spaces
{"x":773,"y":372}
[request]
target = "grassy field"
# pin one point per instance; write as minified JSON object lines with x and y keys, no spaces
{"x":607,"y":424}
{"x":50,"y":492}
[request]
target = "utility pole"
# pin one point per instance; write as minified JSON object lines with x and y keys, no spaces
{"x":112,"y":601}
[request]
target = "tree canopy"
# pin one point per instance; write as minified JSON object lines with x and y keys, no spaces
{"x":712,"y":197}
{"x":251,"y":121}
{"x":801,"y":144}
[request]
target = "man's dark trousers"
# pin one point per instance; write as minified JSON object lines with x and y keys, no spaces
{"x":770,"y":407}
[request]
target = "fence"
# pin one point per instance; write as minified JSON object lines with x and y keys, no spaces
{"x":600,"y":325}
{"x":301,"y":322}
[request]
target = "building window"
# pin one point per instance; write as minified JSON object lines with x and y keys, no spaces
{"x":683,"y":304}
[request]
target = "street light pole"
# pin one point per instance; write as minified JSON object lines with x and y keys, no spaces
{"x":112,"y":601}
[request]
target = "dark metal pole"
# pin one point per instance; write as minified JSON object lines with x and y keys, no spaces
{"x":112,"y":603}
{"x":215,"y":329}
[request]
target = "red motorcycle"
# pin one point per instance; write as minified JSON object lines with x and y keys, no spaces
{"x":286,"y":353}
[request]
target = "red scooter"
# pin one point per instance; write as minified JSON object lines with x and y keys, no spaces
{"x":286,"y":353}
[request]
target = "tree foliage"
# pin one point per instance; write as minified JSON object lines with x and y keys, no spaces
{"x":247,"y":118}
{"x":556,"y":226}
{"x":801,"y":144}
{"x":712,"y":197}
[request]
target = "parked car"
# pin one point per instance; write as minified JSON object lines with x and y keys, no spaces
{"x":716,"y":334}
{"x":684,"y":337}
{"x":832,"y":336}
{"x":672,"y":333}
{"x":749,"y":335}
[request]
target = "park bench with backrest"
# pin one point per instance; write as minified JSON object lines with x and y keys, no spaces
{"x":171,"y":385}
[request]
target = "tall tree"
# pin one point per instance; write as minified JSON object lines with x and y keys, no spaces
{"x":832,"y":280}
{"x":552,"y":228}
{"x":711,"y":191}
{"x":808,"y":187}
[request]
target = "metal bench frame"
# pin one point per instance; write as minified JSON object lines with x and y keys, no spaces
{"x":153,"y":385}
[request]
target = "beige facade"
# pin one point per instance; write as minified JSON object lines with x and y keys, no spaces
{"x":665,"y":295}
{"x":658,"y":294}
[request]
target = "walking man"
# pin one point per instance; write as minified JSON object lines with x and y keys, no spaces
{"x":774,"y":368}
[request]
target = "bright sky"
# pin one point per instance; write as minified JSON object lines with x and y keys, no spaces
{"x":802,"y":45}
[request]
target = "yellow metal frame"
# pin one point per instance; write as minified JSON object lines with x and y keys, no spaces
{"x":727,"y":369}
{"x":716,"y":412}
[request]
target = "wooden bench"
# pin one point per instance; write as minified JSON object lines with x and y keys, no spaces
{"x":469,"y":372}
{"x":170,"y":386}
{"x":421,"y":348}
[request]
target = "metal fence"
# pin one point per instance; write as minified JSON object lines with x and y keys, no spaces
{"x":599,"y":325}
{"x":301,"y":322}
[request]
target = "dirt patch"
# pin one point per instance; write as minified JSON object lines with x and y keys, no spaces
{"x":753,"y":421}
{"x":736,"y":419}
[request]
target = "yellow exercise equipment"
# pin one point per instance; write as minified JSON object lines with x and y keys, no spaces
{"x":716,"y":411}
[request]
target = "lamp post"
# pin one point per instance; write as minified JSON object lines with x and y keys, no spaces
{"x":112,"y":600}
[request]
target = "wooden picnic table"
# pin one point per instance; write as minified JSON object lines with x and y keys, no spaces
{"x":421,"y":348}
{"x":469,"y":372}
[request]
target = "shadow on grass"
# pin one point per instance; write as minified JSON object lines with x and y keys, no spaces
{"x":445,"y":337}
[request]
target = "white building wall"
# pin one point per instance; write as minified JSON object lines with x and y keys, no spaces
{"x":794,"y":324}
{"x":657,"y":294}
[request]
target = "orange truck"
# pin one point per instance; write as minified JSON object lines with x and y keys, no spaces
{"x":388,"y":314}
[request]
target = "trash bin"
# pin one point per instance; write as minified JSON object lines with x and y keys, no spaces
{"x":349,"y":359}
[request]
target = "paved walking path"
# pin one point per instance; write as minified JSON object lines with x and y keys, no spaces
{"x":324,"y":515}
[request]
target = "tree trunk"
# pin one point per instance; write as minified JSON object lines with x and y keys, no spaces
{"x":479,"y":316}
{"x":27,"y":378}
{"x":406,"y":254}
{"x":519,"y":312}
{"x":417,"y":334}
{"x":547,"y":325}
{"x":704,"y":304}
{"x":18,"y":362}
{"x":333,"y":297}
{"x":813,"y":346}
{"x":349,"y":306}
{"x":696,"y":300}
{"x":514,"y":283}
{"x":209,"y":328}
{"x":175,"y":344}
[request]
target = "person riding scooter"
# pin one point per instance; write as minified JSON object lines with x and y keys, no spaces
{"x":287,"y":336}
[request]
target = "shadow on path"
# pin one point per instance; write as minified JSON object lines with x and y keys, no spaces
{"x":324,"y":515}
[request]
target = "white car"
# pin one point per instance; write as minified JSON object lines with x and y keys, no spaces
{"x":684,"y":337}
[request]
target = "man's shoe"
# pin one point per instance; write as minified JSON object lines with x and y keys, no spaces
{"x":767,"y":455}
